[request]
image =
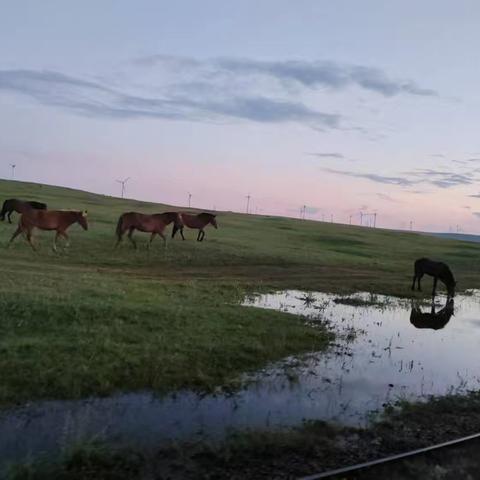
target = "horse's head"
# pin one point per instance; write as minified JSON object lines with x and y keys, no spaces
{"x":82,"y":219}
{"x":174,"y":217}
{"x":213,"y":221}
{"x":178,"y":220}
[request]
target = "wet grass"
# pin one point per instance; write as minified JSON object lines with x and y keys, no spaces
{"x":82,"y":462}
{"x":94,"y":320}
{"x":68,"y":338}
{"x":360,"y":302}
{"x":314,"y":447}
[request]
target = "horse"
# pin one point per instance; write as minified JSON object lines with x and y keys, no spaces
{"x":154,"y":224}
{"x":199,"y":222}
{"x":438,"y":270}
{"x":58,"y":220}
{"x":432,"y":319}
{"x":13,"y":205}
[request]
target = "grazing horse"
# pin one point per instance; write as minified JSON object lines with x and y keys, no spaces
{"x":58,"y":220}
{"x":13,"y":205}
{"x":154,"y":224}
{"x":198,"y":222}
{"x":432,"y":319}
{"x":438,"y":270}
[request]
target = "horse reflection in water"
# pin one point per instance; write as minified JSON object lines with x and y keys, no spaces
{"x":434,"y":320}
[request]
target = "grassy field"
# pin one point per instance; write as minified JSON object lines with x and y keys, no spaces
{"x":94,"y":320}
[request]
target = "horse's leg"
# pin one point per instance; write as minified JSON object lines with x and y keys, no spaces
{"x":152,"y":236}
{"x":67,"y":239}
{"x":202,"y":235}
{"x":419,"y":286}
{"x":30,"y":240}
{"x":164,"y":238}
{"x":17,"y":232}
{"x":10,"y":216}
{"x":198,"y":236}
{"x":434,"y":291}
{"x":57,"y":236}
{"x":178,"y":229}
{"x":130,"y":233}
{"x":414,"y":280}
{"x":54,"y":246}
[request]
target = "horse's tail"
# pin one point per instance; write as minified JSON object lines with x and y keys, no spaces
{"x":177,"y":224}
{"x":4,"y":210}
{"x":175,"y":229}
{"x":118,"y":230}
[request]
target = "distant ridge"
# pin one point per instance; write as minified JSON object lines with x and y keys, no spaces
{"x":464,"y":237}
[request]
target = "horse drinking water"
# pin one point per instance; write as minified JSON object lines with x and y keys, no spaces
{"x":58,"y":220}
{"x":154,"y":224}
{"x":198,"y":222}
{"x":13,"y":205}
{"x":438,"y":270}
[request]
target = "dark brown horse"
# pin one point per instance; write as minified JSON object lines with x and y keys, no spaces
{"x":432,"y":319}
{"x":438,"y":270}
{"x":198,"y":222}
{"x":13,"y":205}
{"x":58,"y":220}
{"x":154,"y":224}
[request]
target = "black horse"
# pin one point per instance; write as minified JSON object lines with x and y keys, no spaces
{"x":438,"y":270}
{"x":13,"y":205}
{"x":432,"y":319}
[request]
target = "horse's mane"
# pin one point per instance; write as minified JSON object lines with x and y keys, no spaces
{"x":206,"y":215}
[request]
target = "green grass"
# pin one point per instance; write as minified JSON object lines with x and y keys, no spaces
{"x":94,"y":320}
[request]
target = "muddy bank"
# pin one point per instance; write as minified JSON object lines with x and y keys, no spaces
{"x":315,"y":447}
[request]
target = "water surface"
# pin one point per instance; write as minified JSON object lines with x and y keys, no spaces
{"x":377,"y":357}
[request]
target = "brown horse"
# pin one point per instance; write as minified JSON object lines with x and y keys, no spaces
{"x":198,"y":222}
{"x":13,"y":205}
{"x":58,"y":220}
{"x":154,"y":224}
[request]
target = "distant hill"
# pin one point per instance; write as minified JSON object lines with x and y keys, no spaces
{"x":464,"y":237}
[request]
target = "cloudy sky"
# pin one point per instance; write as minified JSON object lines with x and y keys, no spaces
{"x":341,"y":106}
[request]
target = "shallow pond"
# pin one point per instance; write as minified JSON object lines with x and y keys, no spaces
{"x":386,"y":349}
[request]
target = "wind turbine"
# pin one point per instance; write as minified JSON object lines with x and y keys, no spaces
{"x":13,"y":170}
{"x":248,"y":197}
{"x":189,"y":199}
{"x":123,"y":182}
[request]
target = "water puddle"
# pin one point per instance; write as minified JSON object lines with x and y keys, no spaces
{"x":386,"y":349}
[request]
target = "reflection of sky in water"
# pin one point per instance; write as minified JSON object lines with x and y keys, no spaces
{"x":388,"y":359}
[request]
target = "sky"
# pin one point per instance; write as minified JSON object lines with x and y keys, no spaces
{"x":344,"y":107}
